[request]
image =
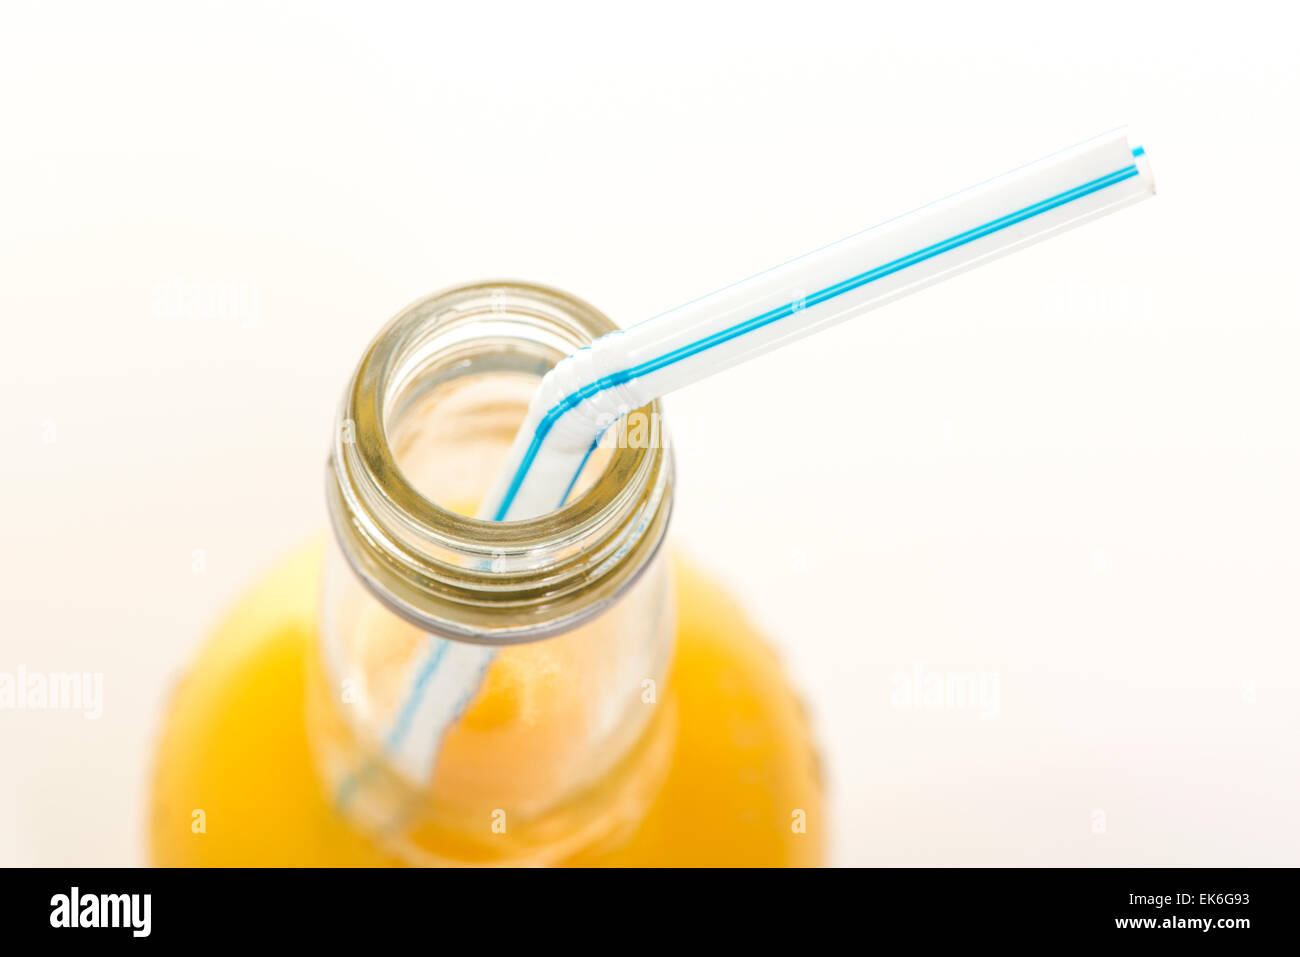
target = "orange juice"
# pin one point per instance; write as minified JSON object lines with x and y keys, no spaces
{"x":726,"y":773}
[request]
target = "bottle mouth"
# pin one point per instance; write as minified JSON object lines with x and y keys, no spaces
{"x":464,"y":578}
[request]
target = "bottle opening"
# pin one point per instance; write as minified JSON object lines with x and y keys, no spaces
{"x":428,"y":417}
{"x":450,"y":441}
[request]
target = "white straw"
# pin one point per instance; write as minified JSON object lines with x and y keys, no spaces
{"x":623,"y":371}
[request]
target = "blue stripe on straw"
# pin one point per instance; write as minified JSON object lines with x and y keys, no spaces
{"x":614,"y":379}
{"x":401,"y":727}
{"x":407,"y":714}
{"x":581,"y":465}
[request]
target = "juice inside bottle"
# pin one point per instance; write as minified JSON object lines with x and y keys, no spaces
{"x":431,"y":690}
{"x":740,"y":783}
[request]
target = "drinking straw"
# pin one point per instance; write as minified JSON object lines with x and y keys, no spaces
{"x":624,"y":370}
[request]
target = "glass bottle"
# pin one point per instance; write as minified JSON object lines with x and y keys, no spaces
{"x":506,"y":693}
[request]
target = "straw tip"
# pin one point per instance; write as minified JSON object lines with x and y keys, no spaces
{"x":1143,"y":164}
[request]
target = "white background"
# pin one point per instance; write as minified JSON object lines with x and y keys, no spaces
{"x":1074,"y":469}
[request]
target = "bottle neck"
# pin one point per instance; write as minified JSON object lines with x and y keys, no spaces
{"x":446,"y":718}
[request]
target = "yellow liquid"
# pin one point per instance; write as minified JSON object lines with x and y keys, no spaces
{"x":729,"y":778}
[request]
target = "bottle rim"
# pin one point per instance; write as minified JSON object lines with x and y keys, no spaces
{"x":465,"y":578}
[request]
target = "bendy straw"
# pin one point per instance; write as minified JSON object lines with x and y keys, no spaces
{"x":589,"y":390}
{"x":624,"y":370}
